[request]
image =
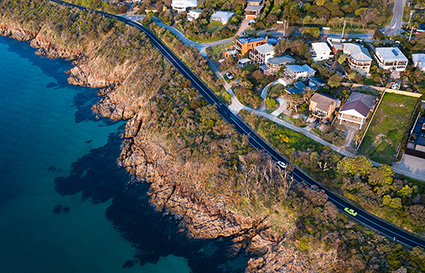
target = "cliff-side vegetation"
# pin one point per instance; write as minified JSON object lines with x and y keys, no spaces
{"x":202,"y":157}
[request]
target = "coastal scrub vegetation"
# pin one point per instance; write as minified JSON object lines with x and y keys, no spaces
{"x":202,"y":28}
{"x":211,"y":163}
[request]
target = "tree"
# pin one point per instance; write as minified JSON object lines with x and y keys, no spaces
{"x":354,"y":165}
{"x":342,"y":58}
{"x":335,"y":81}
{"x":281,"y":47}
{"x":378,"y":35}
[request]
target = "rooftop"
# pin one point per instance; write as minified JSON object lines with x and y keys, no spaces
{"x":184,"y":3}
{"x":251,"y":39}
{"x":320,"y":47}
{"x":196,"y":10}
{"x":357,"y":52}
{"x":391,"y":54}
{"x":222,"y":15}
{"x":362,"y":103}
{"x":323,"y":101}
{"x":264,"y":49}
{"x":253,"y":8}
{"x":298,"y":88}
{"x":281,"y":60}
{"x":254,"y":1}
{"x":419,"y":58}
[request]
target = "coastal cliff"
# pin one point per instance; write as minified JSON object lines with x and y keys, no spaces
{"x":200,"y":170}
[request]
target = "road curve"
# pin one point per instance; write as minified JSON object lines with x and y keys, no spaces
{"x":394,"y":27}
{"x":256,"y":141}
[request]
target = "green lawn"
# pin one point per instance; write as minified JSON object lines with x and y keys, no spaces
{"x":388,"y":127}
{"x":275,"y":90}
{"x":213,"y":27}
{"x":220,"y":48}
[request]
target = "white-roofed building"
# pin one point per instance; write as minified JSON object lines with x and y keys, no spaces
{"x":260,"y":54}
{"x":391,"y":58}
{"x":320,"y":51}
{"x":273,"y":65}
{"x":419,"y":61}
{"x":193,"y":14}
{"x":222,"y":16}
{"x":183,"y":5}
{"x":358,"y":57}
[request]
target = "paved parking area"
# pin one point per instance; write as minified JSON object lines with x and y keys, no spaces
{"x":412,"y":166}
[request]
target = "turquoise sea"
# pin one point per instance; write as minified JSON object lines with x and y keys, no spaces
{"x":65,"y":205}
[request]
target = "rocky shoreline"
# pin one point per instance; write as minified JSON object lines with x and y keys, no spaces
{"x":202,"y":216}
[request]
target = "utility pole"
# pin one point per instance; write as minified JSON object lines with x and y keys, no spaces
{"x":343,"y":29}
{"x":411,"y":27}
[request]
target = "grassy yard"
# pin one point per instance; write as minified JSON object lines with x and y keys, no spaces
{"x":213,"y":27}
{"x":274,"y":90}
{"x":387,"y":128}
{"x":220,"y":48}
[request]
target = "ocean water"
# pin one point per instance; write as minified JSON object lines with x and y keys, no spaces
{"x":65,"y":204}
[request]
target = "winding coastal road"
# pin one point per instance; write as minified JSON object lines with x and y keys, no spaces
{"x":256,"y":141}
{"x":394,"y":27}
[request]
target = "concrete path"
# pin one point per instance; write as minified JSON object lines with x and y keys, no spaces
{"x":282,"y":107}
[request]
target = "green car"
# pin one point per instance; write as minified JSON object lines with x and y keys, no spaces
{"x":350,"y":211}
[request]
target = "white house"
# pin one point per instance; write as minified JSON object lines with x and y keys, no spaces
{"x":183,"y":5}
{"x":358,"y":57}
{"x":419,"y":61}
{"x":391,"y":58}
{"x":260,"y":54}
{"x":356,"y":109}
{"x":193,"y":14}
{"x":222,"y":16}
{"x":321,"y":51}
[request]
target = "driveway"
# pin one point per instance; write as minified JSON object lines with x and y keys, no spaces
{"x":411,"y":166}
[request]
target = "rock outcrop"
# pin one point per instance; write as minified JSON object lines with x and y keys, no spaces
{"x":204,"y":216}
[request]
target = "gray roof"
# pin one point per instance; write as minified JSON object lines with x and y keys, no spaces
{"x":391,"y":54}
{"x":357,"y":52}
{"x":323,"y":101}
{"x":419,"y":58}
{"x":264,"y":49}
{"x":254,"y":8}
{"x":362,"y":103}
{"x":281,"y":60}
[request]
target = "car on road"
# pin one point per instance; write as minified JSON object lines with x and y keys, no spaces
{"x":350,"y":211}
{"x":281,"y":164}
{"x":229,"y":75}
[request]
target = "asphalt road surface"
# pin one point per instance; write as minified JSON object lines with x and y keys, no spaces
{"x":256,"y":141}
{"x":394,"y":27}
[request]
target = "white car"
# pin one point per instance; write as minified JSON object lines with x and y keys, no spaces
{"x":229,"y":75}
{"x":281,"y":164}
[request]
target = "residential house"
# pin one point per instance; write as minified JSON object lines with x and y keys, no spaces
{"x":320,"y":51}
{"x":336,"y":44}
{"x":358,"y":57}
{"x":298,"y":88}
{"x":391,"y":58}
{"x":244,"y":62}
{"x":253,"y":9}
{"x":222,"y":16}
{"x":295,"y":72}
{"x":183,"y":5}
{"x":245,"y":45}
{"x":272,"y":65}
{"x":193,"y":14}
{"x":357,"y":108}
{"x":261,"y":53}
{"x":419,"y":61}
{"x":322,"y":106}
{"x":315,"y":83}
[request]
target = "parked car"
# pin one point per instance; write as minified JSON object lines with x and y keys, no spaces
{"x":350,"y":211}
{"x":229,"y":75}
{"x":281,"y":164}
{"x":252,"y":21}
